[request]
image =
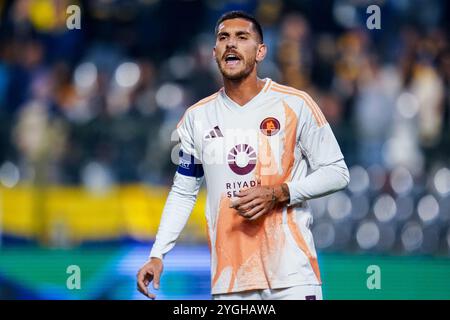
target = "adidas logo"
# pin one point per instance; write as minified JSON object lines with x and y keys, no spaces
{"x":215,"y":133}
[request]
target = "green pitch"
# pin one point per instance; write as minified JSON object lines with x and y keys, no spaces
{"x":108,"y":273}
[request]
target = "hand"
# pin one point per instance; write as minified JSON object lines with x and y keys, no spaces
{"x":254,"y":202}
{"x":150,"y":271}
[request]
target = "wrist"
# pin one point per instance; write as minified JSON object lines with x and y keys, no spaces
{"x":281,"y":193}
{"x":155,"y":258}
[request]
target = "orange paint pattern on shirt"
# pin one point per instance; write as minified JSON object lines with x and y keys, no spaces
{"x":298,"y":237}
{"x":252,"y":248}
{"x":267,"y":165}
{"x":238,"y":243}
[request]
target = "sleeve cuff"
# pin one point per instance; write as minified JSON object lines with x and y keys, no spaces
{"x":294,"y":198}
{"x":154,"y":254}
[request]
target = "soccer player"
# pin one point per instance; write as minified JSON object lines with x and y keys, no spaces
{"x":264,"y":149}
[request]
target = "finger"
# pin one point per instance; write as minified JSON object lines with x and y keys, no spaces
{"x":151,"y":295}
{"x":142,"y":289}
{"x":259,"y":214}
{"x":157,"y":275}
{"x":148,"y":277}
{"x":234,"y":203}
{"x":244,"y":200}
{"x":243,"y":192}
{"x":253,"y":211}
{"x":250,"y":205}
{"x":140,"y":283}
{"x":144,"y":278}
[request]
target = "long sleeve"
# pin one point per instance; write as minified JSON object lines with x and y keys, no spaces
{"x":177,"y":210}
{"x":184,"y":191}
{"x":328,"y":172}
{"x":323,"y":181}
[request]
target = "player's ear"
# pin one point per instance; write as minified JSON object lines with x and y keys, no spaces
{"x":214,"y":52}
{"x":261,"y":53}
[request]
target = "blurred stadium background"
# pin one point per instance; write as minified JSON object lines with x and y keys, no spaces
{"x":86,"y":118}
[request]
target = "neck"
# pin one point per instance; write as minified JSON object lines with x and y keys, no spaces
{"x":243,"y":90}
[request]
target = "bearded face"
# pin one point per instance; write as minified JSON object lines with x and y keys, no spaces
{"x":237,"y":49}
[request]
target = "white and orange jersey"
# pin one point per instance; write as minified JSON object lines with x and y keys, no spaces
{"x":275,"y":138}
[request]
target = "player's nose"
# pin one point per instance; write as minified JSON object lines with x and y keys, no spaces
{"x":231,"y":43}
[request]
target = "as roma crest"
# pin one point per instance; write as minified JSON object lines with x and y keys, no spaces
{"x":270,"y":126}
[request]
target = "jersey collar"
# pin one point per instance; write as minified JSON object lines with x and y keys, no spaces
{"x":230,"y":103}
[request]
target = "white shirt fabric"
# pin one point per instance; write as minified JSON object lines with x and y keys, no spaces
{"x":280,"y":136}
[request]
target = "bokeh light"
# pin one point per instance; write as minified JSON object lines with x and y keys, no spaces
{"x":169,"y":95}
{"x":385,"y":208}
{"x":401,"y":180}
{"x":85,"y":76}
{"x":127,"y":74}
{"x":367,"y":235}
{"x":442,"y":181}
{"x":359,"y":179}
{"x":428,"y":209}
{"x":339,"y":206}
{"x":412,"y":236}
{"x":407,"y":105}
{"x":9,"y":174}
{"x":97,"y":178}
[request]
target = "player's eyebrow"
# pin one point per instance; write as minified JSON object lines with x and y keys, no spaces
{"x":222,"y":33}
{"x":238,"y":33}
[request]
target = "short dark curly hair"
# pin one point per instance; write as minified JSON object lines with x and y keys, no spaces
{"x":241,"y":15}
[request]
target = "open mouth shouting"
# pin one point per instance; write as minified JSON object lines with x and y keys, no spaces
{"x":232,"y":59}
